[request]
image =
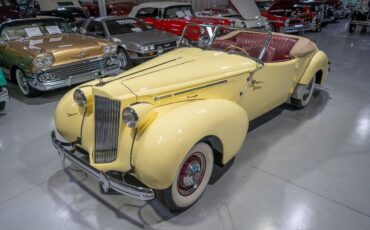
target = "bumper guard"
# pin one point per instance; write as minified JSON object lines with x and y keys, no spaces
{"x":107,"y":182}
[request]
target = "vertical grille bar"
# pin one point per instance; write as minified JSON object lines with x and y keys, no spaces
{"x":107,"y":120}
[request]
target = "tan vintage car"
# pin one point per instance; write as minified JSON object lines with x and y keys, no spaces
{"x":41,"y":55}
{"x":168,"y":121}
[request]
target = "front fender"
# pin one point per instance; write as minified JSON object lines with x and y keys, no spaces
{"x":319,"y":62}
{"x":159,"y":150}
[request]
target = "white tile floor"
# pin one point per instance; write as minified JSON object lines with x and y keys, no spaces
{"x":306,"y":169}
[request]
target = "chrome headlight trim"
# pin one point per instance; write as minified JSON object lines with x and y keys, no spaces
{"x":130,"y":117}
{"x":80,"y":98}
{"x":44,"y":60}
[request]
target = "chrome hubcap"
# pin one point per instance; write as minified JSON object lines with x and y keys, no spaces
{"x":122,"y":57}
{"x":191,"y":174}
{"x":22,"y":82}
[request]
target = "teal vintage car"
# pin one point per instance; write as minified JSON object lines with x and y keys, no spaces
{"x":4,"y":97}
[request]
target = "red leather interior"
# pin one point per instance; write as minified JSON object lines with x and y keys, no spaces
{"x":278,"y":50}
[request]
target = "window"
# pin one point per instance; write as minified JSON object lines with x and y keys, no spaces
{"x":123,"y":26}
{"x":65,"y":4}
{"x":8,"y":3}
{"x":147,"y":13}
{"x":178,"y":12}
{"x":95,"y":29}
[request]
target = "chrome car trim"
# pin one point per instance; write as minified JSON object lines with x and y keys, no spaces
{"x":107,"y":182}
{"x":4,"y":95}
{"x":293,"y":29}
{"x":157,"y":98}
{"x":107,"y":120}
{"x":361,"y":23}
{"x":73,"y":73}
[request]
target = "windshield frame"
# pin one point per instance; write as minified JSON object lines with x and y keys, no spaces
{"x":216,"y":28}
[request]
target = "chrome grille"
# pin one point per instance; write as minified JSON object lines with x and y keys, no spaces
{"x":78,"y":68}
{"x":107,"y":120}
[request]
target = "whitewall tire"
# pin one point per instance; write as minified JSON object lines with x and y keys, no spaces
{"x":191,"y":179}
{"x":306,"y":96}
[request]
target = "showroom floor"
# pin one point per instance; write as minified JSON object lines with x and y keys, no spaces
{"x":306,"y":169}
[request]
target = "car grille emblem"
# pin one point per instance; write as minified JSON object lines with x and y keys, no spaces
{"x":160,"y":49}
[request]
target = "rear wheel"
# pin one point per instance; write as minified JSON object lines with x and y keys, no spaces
{"x":191,"y":180}
{"x":307,"y":95}
{"x":352,"y":28}
{"x":23,"y":84}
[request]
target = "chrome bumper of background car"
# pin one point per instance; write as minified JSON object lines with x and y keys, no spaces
{"x":107,"y":182}
{"x":137,"y":59}
{"x":4,"y":96}
{"x":296,"y":28}
{"x":361,"y":23}
{"x":67,"y":75}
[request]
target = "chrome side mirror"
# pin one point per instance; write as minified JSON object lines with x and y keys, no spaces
{"x":83,"y":31}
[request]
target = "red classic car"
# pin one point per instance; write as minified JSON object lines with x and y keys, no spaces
{"x":121,"y":8}
{"x":8,"y":10}
{"x":286,"y":18}
{"x":173,"y":17}
{"x":244,"y":13}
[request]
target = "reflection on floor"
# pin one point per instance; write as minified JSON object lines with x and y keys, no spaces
{"x":306,"y":169}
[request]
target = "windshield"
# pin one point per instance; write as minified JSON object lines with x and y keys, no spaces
{"x":28,"y":29}
{"x":244,"y":42}
{"x":178,"y":12}
{"x":123,"y":26}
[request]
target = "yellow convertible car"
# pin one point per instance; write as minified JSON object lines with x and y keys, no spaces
{"x":158,"y":129}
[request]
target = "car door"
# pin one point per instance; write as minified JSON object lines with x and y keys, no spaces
{"x":268,"y":87}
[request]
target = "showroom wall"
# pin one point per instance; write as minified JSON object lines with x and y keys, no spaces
{"x":197,"y":4}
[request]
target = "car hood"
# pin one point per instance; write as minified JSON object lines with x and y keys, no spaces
{"x":65,"y":47}
{"x":132,"y":40}
{"x":283,"y":4}
{"x":246,"y":8}
{"x":184,"y":68}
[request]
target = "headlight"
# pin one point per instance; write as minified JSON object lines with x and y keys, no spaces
{"x":130,"y":117}
{"x":110,"y":49}
{"x":80,"y":98}
{"x":286,"y":23}
{"x":146,"y":48}
{"x":138,"y":115}
{"x":44,"y":60}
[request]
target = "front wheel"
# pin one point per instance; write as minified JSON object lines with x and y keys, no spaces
{"x":23,"y":85}
{"x":307,"y":95}
{"x":352,"y":28}
{"x":191,"y":180}
{"x":125,"y":60}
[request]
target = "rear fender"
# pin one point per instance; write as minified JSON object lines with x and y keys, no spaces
{"x":159,"y":149}
{"x":318,"y":66}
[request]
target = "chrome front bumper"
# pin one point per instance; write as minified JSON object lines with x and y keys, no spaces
{"x":4,"y":96}
{"x":68,"y":75}
{"x":107,"y":182}
{"x":360,"y":23}
{"x":296,"y":28}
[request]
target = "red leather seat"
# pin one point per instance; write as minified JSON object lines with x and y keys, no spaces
{"x":222,"y":44}
{"x":278,"y":50}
